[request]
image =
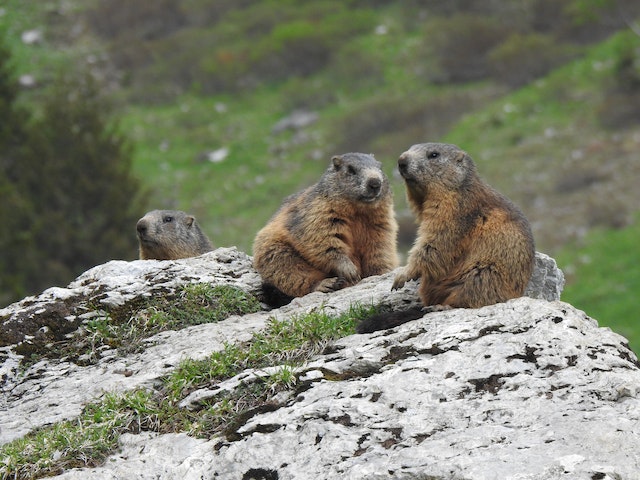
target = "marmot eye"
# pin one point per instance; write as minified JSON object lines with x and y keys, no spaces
{"x":433,"y":155}
{"x":351,"y":170}
{"x":167,"y":219}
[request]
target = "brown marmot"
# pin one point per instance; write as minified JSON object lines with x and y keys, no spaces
{"x":474,"y":246}
{"x":170,"y":234}
{"x":331,"y":234}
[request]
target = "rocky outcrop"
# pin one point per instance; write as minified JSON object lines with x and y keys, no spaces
{"x":527,"y":389}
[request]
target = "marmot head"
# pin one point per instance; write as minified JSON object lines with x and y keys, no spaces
{"x":356,"y":176}
{"x":158,"y":223}
{"x":167,"y":234}
{"x":435,"y":165}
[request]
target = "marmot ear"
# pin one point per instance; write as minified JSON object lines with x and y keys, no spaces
{"x":189,"y":220}
{"x":337,"y":161}
{"x":460,"y":156}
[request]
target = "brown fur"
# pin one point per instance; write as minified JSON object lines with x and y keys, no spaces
{"x":169,"y":235}
{"x":474,"y":246}
{"x":332,"y":234}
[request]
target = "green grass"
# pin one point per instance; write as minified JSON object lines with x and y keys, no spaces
{"x":88,"y":440}
{"x":282,"y":341}
{"x":513,"y":134}
{"x":126,"y":328}
{"x":603,"y":279}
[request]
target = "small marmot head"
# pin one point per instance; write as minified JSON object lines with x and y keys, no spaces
{"x":426,"y":166}
{"x":167,"y":235}
{"x":156,"y":224}
{"x":356,"y":176}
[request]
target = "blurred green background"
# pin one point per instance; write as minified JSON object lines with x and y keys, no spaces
{"x":224,"y":108}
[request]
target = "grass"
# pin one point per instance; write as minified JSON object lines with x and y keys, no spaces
{"x":126,"y":328}
{"x":84,"y":441}
{"x":602,"y":278}
{"x":279,"y":351}
{"x":281,"y":342}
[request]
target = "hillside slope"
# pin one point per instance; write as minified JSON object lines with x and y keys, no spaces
{"x":265,"y":99}
{"x":232,"y":106}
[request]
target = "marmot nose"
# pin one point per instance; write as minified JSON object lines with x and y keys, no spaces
{"x":374,"y":185}
{"x":403,"y":162}
{"x":141,"y":227}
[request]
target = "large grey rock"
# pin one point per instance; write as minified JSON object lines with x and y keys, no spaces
{"x":528,"y":389}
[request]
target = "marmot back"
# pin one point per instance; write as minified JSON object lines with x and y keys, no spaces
{"x":474,"y":246}
{"x":331,"y":234}
{"x":169,"y":235}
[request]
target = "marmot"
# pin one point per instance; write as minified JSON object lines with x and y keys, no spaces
{"x":170,"y":234}
{"x":474,"y":246}
{"x":331,"y":234}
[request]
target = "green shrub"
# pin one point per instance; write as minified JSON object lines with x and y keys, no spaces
{"x":462,"y":43}
{"x":524,"y":57}
{"x":620,"y":106}
{"x":72,"y":200}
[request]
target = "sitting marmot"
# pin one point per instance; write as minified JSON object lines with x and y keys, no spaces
{"x":474,"y":247}
{"x":332,"y":234}
{"x":170,"y":234}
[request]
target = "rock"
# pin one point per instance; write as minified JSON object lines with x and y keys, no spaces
{"x":31,"y":37}
{"x":527,"y":389}
{"x":297,"y":120}
{"x":116,"y":283}
{"x":547,"y":280}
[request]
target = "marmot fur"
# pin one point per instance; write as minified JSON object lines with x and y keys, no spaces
{"x":170,"y":234}
{"x":474,"y":246}
{"x":331,"y":234}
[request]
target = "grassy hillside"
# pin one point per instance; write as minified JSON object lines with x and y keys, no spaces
{"x":604,"y":279}
{"x":542,"y":98}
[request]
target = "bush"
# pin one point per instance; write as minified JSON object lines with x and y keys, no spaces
{"x":525,"y":57}
{"x":620,"y":106}
{"x":462,"y":44}
{"x":69,"y":200}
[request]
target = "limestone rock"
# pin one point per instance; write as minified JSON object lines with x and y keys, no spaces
{"x":527,"y":389}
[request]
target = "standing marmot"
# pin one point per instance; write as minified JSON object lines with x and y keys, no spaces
{"x":332,"y":234}
{"x":474,"y":247}
{"x":170,"y":234}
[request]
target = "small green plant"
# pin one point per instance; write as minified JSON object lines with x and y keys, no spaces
{"x":84,"y":441}
{"x":284,"y":378}
{"x":289,"y":341}
{"x":126,"y":328}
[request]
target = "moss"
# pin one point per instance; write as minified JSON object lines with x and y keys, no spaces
{"x":125,"y":328}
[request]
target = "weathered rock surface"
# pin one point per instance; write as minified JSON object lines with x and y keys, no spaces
{"x":528,"y":389}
